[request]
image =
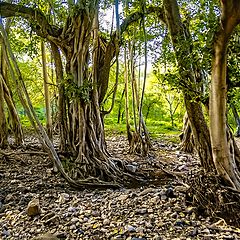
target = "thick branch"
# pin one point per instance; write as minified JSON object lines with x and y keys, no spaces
{"x":34,"y":16}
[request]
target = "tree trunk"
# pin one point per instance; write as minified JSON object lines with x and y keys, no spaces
{"x":221,"y":138}
{"x":182,"y":50}
{"x":46,"y":91}
{"x":186,"y":137}
{"x":3,"y":123}
{"x":14,"y":123}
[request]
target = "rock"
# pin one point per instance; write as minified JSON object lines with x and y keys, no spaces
{"x":131,"y":228}
{"x":146,"y":191}
{"x":95,"y":213}
{"x":164,"y":197}
{"x":179,"y":223}
{"x":141,"y":211}
{"x":122,"y":197}
{"x":170,"y":193}
{"x":131,"y":168}
{"x":106,"y":222}
{"x":206,"y":231}
{"x":33,"y":207}
{"x":46,"y":236}
{"x":5,"y":233}
{"x":182,"y":189}
{"x":74,"y":220}
{"x":72,"y":209}
{"x":73,"y":227}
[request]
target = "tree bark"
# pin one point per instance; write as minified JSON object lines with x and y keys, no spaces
{"x":221,"y":138}
{"x":3,"y":122}
{"x":182,"y":50}
{"x":46,"y":91}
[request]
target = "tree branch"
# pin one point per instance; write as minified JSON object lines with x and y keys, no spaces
{"x":34,"y":16}
{"x":138,"y":15}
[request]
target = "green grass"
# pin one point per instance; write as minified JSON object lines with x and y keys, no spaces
{"x":157,"y":129}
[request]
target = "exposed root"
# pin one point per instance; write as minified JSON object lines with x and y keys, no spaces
{"x":213,"y":199}
{"x":139,"y":144}
{"x":105,"y":171}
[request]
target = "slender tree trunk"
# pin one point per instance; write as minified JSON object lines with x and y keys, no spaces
{"x":14,"y":123}
{"x":221,"y":138}
{"x":46,"y":91}
{"x":126,"y":77}
{"x":3,"y":123}
{"x":62,"y":112}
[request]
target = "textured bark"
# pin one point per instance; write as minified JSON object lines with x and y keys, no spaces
{"x":221,"y":138}
{"x":186,"y":137}
{"x":189,"y":77}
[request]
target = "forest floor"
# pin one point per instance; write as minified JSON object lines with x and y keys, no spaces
{"x":156,"y":211}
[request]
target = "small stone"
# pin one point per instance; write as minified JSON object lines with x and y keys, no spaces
{"x":190,"y":210}
{"x":73,"y":227}
{"x":150,"y":210}
{"x":163,"y":197}
{"x":131,"y":228}
{"x":141,"y":211}
{"x":122,"y":197}
{"x":179,"y":223}
{"x":177,"y":209}
{"x":106,"y":222}
{"x":72,"y":209}
{"x":95,"y":213}
{"x":5,"y":233}
{"x":206,"y":231}
{"x":174,"y":215}
{"x":47,"y":236}
{"x":146,"y":191}
{"x":131,"y":168}
{"x":33,"y":207}
{"x":74,"y":220}
{"x":182,"y":189}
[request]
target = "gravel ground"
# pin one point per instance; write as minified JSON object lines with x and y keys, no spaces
{"x":148,"y":212}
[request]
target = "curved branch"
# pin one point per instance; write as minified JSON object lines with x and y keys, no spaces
{"x":138,"y":15}
{"x":34,"y":16}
